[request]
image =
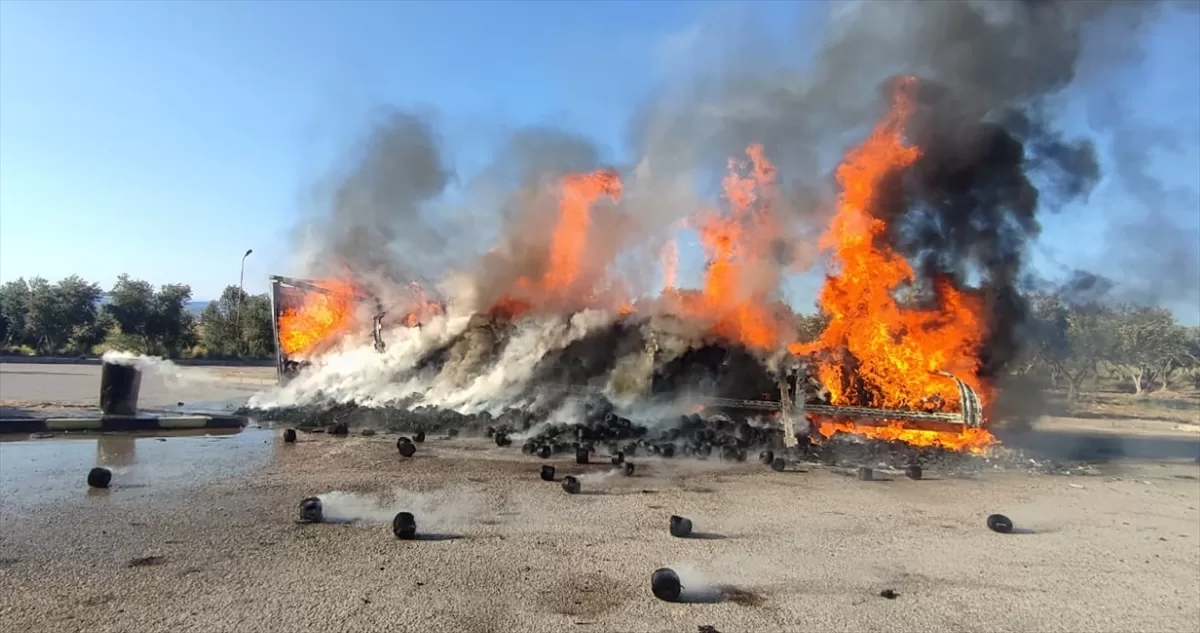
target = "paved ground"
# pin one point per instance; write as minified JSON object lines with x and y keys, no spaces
{"x":812,"y":550}
{"x":33,"y":387}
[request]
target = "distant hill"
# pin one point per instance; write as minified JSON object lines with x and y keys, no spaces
{"x":195,"y":307}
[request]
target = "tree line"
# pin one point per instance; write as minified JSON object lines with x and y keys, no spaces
{"x":75,"y":317}
{"x":1068,"y":345}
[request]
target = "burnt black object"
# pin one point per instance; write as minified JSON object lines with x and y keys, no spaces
{"x":581,"y":456}
{"x":527,"y":448}
{"x":627,"y":468}
{"x":340,"y":429}
{"x":99,"y":477}
{"x":543,"y":451}
{"x":407,"y":449}
{"x":547,"y":473}
{"x":664,"y":584}
{"x":913,"y":472}
{"x":778,"y":465}
{"x":419,"y":436}
{"x":1000,"y":523}
{"x":571,"y":485}
{"x":667,"y":450}
{"x":890,"y":594}
{"x":617,"y":458}
{"x":865,"y":474}
{"x":766,"y":457}
{"x":404,"y":526}
{"x":289,"y":436}
{"x":680,"y":527}
{"x":729,"y":454}
{"x":311,"y":510}
{"x":119,"y":389}
{"x":502,"y":439}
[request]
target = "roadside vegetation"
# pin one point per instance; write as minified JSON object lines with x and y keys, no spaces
{"x":75,"y":317}
{"x":1097,"y":359}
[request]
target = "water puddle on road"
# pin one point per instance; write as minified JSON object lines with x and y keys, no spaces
{"x":54,"y":468}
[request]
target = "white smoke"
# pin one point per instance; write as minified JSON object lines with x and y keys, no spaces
{"x":439,"y":511}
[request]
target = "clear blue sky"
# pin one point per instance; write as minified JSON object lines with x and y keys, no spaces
{"x":163,"y":139}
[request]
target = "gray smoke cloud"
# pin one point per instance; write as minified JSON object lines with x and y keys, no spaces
{"x":990,"y":91}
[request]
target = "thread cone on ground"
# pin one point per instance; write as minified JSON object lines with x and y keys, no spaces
{"x":571,"y":485}
{"x":766,"y":457}
{"x":680,"y":527}
{"x":340,"y":429}
{"x":547,"y":473}
{"x":404,"y":526}
{"x":419,"y":436}
{"x":1000,"y":523}
{"x":778,"y":465}
{"x":543,"y":451}
{"x":99,"y":477}
{"x":581,"y":456}
{"x":407,"y":449}
{"x":665,"y":585}
{"x":913,"y":472}
{"x":289,"y":436}
{"x":311,"y":510}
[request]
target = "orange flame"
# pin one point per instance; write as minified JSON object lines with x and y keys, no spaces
{"x":973,"y":440}
{"x":321,"y":317}
{"x":875,"y":351}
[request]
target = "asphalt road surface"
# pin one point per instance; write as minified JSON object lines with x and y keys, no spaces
{"x":78,"y":385}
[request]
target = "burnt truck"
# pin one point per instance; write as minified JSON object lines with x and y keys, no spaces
{"x":737,"y":384}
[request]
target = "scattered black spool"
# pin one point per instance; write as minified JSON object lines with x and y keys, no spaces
{"x":543,"y":451}
{"x":1000,"y":523}
{"x":890,"y":594}
{"x":627,"y":468}
{"x":865,"y":474}
{"x":913,"y":472}
{"x":404,"y":526}
{"x":99,"y":477}
{"x":311,"y":510}
{"x":419,"y":436}
{"x":402,"y":440}
{"x":340,"y":430}
{"x":407,"y":449}
{"x":778,"y":465}
{"x":665,"y":585}
{"x":581,"y":456}
{"x":547,"y":473}
{"x":617,"y":458}
{"x":571,"y":485}
{"x":680,"y":527}
{"x":527,"y":448}
{"x":120,"y":386}
{"x":741,"y":455}
{"x":289,"y":436}
{"x":502,"y":439}
{"x":667,"y":450}
{"x":766,"y":457}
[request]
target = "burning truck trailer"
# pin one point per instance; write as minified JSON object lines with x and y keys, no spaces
{"x":734,"y":401}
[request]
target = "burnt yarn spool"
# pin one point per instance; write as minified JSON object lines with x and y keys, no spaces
{"x":544,"y":451}
{"x":913,"y":472}
{"x":665,"y":585}
{"x":1000,"y":523}
{"x":581,"y":455}
{"x":547,"y":473}
{"x":407,"y":449}
{"x":404,"y":526}
{"x":680,"y":527}
{"x":778,"y":465}
{"x":340,"y":430}
{"x":99,"y":477}
{"x":571,"y":485}
{"x":311,"y":510}
{"x":618,"y":458}
{"x":419,"y":436}
{"x":120,"y":386}
{"x":289,"y":436}
{"x":766,"y":457}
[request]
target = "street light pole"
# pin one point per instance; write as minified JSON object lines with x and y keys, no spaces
{"x":241,"y":299}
